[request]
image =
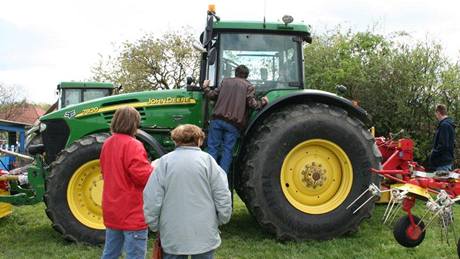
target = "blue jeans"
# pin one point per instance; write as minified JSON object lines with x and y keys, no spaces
{"x":133,"y":242}
{"x":444,"y":168}
{"x":222,"y":137}
{"x":207,"y":255}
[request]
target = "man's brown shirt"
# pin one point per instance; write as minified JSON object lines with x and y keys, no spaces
{"x":234,"y":97}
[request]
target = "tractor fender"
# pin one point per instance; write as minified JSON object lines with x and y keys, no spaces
{"x":306,"y":96}
{"x":151,"y":141}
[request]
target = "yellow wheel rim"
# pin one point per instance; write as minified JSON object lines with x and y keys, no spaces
{"x":316,"y":176}
{"x":84,"y":194}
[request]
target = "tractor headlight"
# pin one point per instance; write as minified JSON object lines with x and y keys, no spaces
{"x":42,"y":127}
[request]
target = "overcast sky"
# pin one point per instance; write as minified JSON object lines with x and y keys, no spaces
{"x":45,"y":42}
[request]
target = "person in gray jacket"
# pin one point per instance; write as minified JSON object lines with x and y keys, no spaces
{"x":187,"y":197}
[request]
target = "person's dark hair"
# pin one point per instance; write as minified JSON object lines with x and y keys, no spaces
{"x":242,"y":71}
{"x":187,"y":135}
{"x":441,"y":109}
{"x":126,"y":120}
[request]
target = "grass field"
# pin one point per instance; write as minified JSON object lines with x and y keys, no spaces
{"x":27,"y":233}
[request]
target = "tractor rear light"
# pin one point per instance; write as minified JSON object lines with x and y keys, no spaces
{"x":372,"y":131}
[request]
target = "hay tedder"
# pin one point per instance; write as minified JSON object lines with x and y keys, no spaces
{"x":405,"y":182}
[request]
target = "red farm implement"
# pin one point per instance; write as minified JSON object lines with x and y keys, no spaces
{"x":406,"y":182}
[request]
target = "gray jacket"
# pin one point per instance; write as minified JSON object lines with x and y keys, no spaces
{"x":186,"y":198}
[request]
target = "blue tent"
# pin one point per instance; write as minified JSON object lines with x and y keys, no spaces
{"x":15,"y":141}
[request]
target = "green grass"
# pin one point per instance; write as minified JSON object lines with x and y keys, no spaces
{"x":27,"y":233}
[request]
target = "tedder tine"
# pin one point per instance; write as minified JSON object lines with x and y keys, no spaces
{"x":395,"y":212}
{"x":388,"y":209}
{"x":396,"y":198}
{"x":373,"y":189}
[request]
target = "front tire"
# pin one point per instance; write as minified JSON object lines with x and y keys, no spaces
{"x":73,"y":194}
{"x":302,"y":166}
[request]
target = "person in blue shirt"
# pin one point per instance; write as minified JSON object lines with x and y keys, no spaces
{"x":442,"y":154}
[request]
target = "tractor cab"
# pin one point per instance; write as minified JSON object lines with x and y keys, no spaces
{"x":271,"y":51}
{"x":274,"y":61}
{"x":70,"y":93}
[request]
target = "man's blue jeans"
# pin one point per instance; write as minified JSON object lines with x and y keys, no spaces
{"x":133,"y":242}
{"x":444,"y":167}
{"x":222,"y":138}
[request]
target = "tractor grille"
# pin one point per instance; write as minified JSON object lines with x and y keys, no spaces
{"x":54,"y":138}
{"x":108,"y":116}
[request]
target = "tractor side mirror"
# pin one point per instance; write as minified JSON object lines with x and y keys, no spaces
{"x":190,"y":84}
{"x":117,"y":90}
{"x":190,"y":80}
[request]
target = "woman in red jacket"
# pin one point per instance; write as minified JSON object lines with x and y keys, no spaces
{"x":125,"y":169}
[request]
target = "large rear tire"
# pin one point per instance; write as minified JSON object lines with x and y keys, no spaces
{"x":302,"y":166}
{"x":74,"y":191}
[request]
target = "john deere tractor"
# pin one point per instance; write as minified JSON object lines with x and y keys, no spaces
{"x":299,"y":163}
{"x":70,"y":93}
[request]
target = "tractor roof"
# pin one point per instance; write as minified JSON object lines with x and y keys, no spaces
{"x":79,"y":85}
{"x":296,"y":28}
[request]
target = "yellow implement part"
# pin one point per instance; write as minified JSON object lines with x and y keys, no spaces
{"x":411,"y":188}
{"x":384,"y":198}
{"x":5,"y":208}
{"x":316,"y":176}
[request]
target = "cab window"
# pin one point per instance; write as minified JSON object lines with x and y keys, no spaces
{"x":273,"y":60}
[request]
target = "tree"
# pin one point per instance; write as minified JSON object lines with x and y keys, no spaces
{"x":398,"y":84}
{"x":11,"y":99}
{"x":151,"y":62}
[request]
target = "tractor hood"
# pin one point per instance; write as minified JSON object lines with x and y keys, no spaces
{"x":159,"y":110}
{"x":108,"y":105}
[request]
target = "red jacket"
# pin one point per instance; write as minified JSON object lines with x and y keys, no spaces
{"x":125,"y":170}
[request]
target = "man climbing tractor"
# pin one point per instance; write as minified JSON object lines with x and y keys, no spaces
{"x":234,"y":96}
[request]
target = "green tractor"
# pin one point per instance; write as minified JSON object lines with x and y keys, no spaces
{"x":298,"y":165}
{"x":70,"y":93}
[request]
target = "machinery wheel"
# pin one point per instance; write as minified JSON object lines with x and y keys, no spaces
{"x":406,"y":234}
{"x":302,"y":166}
{"x":74,"y":191}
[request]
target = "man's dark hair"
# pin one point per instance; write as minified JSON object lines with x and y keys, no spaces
{"x":442,"y":109}
{"x":242,"y":71}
